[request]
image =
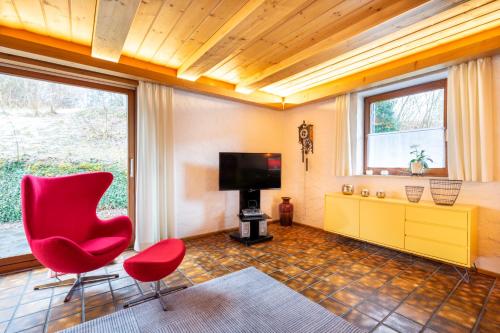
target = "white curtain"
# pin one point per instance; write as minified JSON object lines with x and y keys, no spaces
{"x":342,"y":163}
{"x":154,"y":179}
{"x":470,"y":121}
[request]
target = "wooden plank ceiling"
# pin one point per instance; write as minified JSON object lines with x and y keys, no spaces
{"x":280,"y":48}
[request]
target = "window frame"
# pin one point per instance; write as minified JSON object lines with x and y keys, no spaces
{"x":439,"y":84}
{"x":28,"y":261}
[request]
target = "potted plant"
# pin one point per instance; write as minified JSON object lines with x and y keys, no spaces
{"x":418,"y":163}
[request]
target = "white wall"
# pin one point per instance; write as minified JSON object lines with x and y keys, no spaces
{"x":203,"y":127}
{"x":308,"y":189}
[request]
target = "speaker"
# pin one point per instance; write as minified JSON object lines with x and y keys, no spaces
{"x":263,"y":228}
{"x":244,"y":229}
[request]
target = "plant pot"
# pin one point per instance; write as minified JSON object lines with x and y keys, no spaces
{"x":286,"y":212}
{"x":417,"y":168}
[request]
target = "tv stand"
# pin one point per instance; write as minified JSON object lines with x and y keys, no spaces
{"x":251,"y":199}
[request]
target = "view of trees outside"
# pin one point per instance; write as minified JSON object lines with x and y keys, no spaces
{"x":423,"y":110}
{"x":403,"y":122}
{"x":51,"y":129}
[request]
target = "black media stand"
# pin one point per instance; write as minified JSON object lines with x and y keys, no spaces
{"x":251,"y":199}
{"x":254,"y":230}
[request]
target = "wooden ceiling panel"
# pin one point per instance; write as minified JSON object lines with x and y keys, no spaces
{"x":277,"y":38}
{"x":254,"y":48}
{"x":344,"y":16}
{"x":270,"y":14}
{"x":333,"y":22}
{"x":193,"y":17}
{"x":367,"y":17}
{"x":82,"y":14}
{"x":453,"y":24}
{"x":167,"y":17}
{"x":8,"y":15}
{"x":221,"y":14}
{"x":31,"y":15}
{"x":57,"y":17}
{"x":146,"y":15}
{"x":236,"y":19}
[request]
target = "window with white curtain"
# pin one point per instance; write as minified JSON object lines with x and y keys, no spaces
{"x":400,"y":121}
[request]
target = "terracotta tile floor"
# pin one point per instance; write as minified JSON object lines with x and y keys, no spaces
{"x":372,"y":287}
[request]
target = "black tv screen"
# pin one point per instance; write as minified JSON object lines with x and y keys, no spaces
{"x":249,"y":171}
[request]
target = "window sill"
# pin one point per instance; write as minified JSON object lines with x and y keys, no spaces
{"x":402,"y":176}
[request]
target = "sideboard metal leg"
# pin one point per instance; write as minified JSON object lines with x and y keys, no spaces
{"x":465,"y":275}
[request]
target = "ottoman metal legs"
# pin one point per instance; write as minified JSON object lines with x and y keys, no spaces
{"x":156,"y":293}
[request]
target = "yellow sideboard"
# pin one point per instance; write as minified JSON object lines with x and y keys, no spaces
{"x":445,"y":233}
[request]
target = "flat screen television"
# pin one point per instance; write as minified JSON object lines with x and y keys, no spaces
{"x":249,"y":171}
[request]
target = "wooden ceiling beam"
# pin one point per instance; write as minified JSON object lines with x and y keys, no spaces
{"x":113,"y":20}
{"x":226,"y":28}
{"x":49,"y":49}
{"x":481,"y":44}
{"x":406,"y":12}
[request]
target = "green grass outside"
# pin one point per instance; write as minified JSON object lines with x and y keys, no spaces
{"x":11,"y":173}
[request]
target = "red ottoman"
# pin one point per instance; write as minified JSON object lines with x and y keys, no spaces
{"x":152,"y":265}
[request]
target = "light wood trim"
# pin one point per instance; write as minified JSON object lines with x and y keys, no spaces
{"x":18,"y":263}
{"x":440,"y":84}
{"x":126,"y":67}
{"x":132,"y":159}
{"x":51,"y":68}
{"x":232,"y":23}
{"x":113,"y":20}
{"x":481,"y":44}
{"x":61,"y":79}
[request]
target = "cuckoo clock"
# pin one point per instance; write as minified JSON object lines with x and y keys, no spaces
{"x":306,"y":140}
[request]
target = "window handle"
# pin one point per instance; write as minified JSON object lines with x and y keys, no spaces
{"x":132,"y":171}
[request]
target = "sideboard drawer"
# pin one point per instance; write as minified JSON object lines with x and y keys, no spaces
{"x":436,"y":232}
{"x":437,"y":250}
{"x":456,"y":219}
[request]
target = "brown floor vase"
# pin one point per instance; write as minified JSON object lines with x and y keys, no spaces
{"x":286,"y":212}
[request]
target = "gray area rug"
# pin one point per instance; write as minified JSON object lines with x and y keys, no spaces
{"x":244,"y":301}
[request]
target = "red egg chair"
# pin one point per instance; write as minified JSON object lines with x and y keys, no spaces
{"x":63,"y":230}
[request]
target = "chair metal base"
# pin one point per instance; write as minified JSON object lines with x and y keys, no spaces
{"x":76,"y":283}
{"x":157,"y":293}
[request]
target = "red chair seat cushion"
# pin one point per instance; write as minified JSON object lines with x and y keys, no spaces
{"x":102,"y":245}
{"x":157,"y":261}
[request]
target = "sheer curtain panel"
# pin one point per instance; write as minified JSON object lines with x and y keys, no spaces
{"x":470,"y":121}
{"x":342,"y":163}
{"x":154,"y":197}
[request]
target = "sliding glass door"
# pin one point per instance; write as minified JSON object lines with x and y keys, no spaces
{"x":51,"y":126}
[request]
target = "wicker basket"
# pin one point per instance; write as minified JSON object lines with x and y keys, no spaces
{"x":414,"y":193}
{"x":444,"y":191}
